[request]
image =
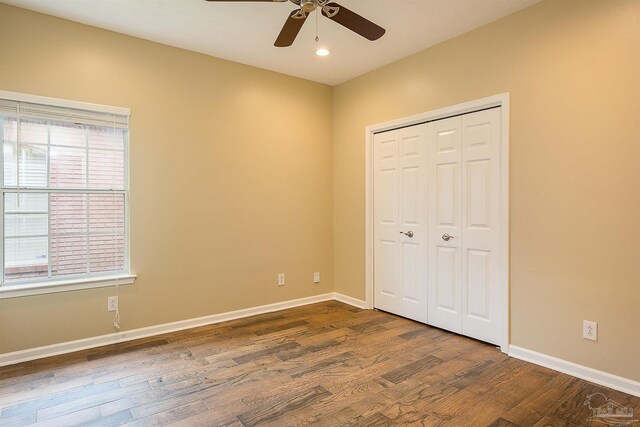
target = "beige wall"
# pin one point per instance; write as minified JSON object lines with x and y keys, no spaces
{"x":228,"y":187}
{"x":573,"y":71}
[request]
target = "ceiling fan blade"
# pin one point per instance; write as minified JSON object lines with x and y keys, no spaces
{"x":290,"y":29}
{"x":355,"y":22}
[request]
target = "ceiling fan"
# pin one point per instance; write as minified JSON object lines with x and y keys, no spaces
{"x":331,"y":10}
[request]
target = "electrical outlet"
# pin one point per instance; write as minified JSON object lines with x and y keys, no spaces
{"x":316,"y":277}
{"x":112,"y":303}
{"x":589,"y":330}
{"x":281,"y":279}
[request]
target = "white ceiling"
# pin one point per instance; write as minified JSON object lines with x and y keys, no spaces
{"x":245,"y":31}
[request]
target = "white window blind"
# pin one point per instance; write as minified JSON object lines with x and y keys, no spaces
{"x":64,"y":192}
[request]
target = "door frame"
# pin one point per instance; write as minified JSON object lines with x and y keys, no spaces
{"x":501,"y":100}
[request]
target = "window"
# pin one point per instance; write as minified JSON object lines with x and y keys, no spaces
{"x":65,"y":193}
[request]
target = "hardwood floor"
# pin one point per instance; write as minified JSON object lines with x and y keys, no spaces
{"x":326,"y":364}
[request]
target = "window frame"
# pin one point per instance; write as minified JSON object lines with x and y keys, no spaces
{"x":37,"y":286}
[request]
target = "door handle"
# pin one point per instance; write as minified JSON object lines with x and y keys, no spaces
{"x":409,"y":233}
{"x":446,"y":237}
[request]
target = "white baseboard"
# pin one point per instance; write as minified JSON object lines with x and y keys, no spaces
{"x":349,"y":300}
{"x":593,"y":375}
{"x":118,"y":337}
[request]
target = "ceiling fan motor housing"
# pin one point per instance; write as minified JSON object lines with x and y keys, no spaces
{"x":308,"y":5}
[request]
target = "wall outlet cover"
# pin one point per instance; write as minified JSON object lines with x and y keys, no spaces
{"x":112,"y":303}
{"x":590,"y":330}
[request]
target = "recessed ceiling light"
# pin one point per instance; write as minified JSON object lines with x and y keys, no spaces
{"x":322,"y":52}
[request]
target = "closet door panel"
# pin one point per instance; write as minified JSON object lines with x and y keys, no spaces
{"x":385,"y":151}
{"x":413,"y":223}
{"x":400,"y":229}
{"x":445,"y":204}
{"x":400,"y":226}
{"x":480,"y":219}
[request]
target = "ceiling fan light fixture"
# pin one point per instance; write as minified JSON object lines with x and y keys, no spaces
{"x":323,"y":51}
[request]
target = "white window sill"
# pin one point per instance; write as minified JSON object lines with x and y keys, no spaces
{"x":39,"y":288}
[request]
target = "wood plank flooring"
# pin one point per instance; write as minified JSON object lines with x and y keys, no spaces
{"x":326,"y":364}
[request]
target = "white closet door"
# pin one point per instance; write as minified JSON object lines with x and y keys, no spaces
{"x":480,"y":219}
{"x":436,"y":223}
{"x":400,"y":218}
{"x":445,"y":257}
